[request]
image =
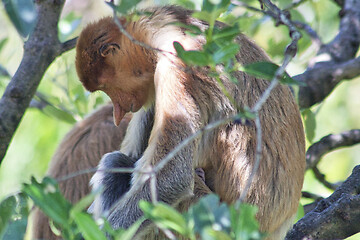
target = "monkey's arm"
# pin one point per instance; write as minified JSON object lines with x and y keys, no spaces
{"x":173,"y":182}
{"x":114,"y":184}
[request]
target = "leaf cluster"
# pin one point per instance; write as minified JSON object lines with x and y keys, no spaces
{"x":208,"y":219}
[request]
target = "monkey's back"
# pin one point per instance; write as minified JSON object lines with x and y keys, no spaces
{"x":81,"y":149}
{"x":230,"y":150}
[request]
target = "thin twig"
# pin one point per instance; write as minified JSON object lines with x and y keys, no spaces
{"x":310,"y":195}
{"x":311,"y":32}
{"x":242,"y":4}
{"x":153,"y":194}
{"x":92,"y":170}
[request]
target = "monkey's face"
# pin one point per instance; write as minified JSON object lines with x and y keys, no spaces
{"x":109,"y":62}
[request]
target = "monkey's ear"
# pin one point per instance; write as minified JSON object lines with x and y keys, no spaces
{"x":108,"y":48}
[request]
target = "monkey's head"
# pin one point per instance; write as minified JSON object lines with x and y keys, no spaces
{"x":107,"y":60}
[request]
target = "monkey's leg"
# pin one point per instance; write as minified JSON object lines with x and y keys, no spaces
{"x":271,"y":188}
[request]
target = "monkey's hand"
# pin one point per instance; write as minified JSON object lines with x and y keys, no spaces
{"x":114,"y":184}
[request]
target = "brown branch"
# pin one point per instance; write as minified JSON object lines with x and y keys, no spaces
{"x":311,"y":206}
{"x":313,"y":196}
{"x":68,"y":45}
{"x":323,"y":78}
{"x":336,"y":217}
{"x":40,"y":50}
{"x":330,"y":143}
{"x":335,"y":61}
{"x":321,"y":178}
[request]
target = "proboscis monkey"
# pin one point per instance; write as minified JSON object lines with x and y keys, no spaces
{"x":81,"y":149}
{"x":172,"y":101}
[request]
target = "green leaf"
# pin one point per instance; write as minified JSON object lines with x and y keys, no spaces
{"x":7,"y":209}
{"x":87,"y":226}
{"x":225,"y":53}
{"x":192,"y":58}
{"x":124,"y":6}
{"x":2,"y":43}
{"x":227,"y":33}
{"x":211,"y":10}
{"x":210,"y":234}
{"x":59,"y":114}
{"x":310,"y":124}
{"x":16,"y":229}
{"x":244,"y":223}
{"x":267,"y":70}
{"x":22,"y":14}
{"x":205,"y":16}
{"x":14,"y":212}
{"x":213,"y":5}
{"x":164,"y":216}
{"x":129,"y":233}
{"x":208,"y":212}
{"x":47,"y":197}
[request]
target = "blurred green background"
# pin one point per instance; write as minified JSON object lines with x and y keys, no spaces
{"x":41,"y":130}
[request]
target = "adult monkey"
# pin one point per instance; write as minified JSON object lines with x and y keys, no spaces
{"x":184,"y":99}
{"x":81,"y":149}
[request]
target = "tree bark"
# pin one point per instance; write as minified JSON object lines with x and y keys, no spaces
{"x":40,"y":50}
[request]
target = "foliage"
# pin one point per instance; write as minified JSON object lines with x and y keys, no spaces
{"x":209,"y":218}
{"x":14,"y":211}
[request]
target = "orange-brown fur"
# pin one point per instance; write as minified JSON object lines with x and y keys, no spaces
{"x":185,"y":100}
{"x":81,"y":149}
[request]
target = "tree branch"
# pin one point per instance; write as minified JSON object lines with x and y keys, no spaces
{"x":330,"y":143}
{"x":334,"y":61}
{"x":321,"y":178}
{"x":336,"y":217}
{"x":311,"y":32}
{"x":40,"y":50}
{"x":68,"y":45}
